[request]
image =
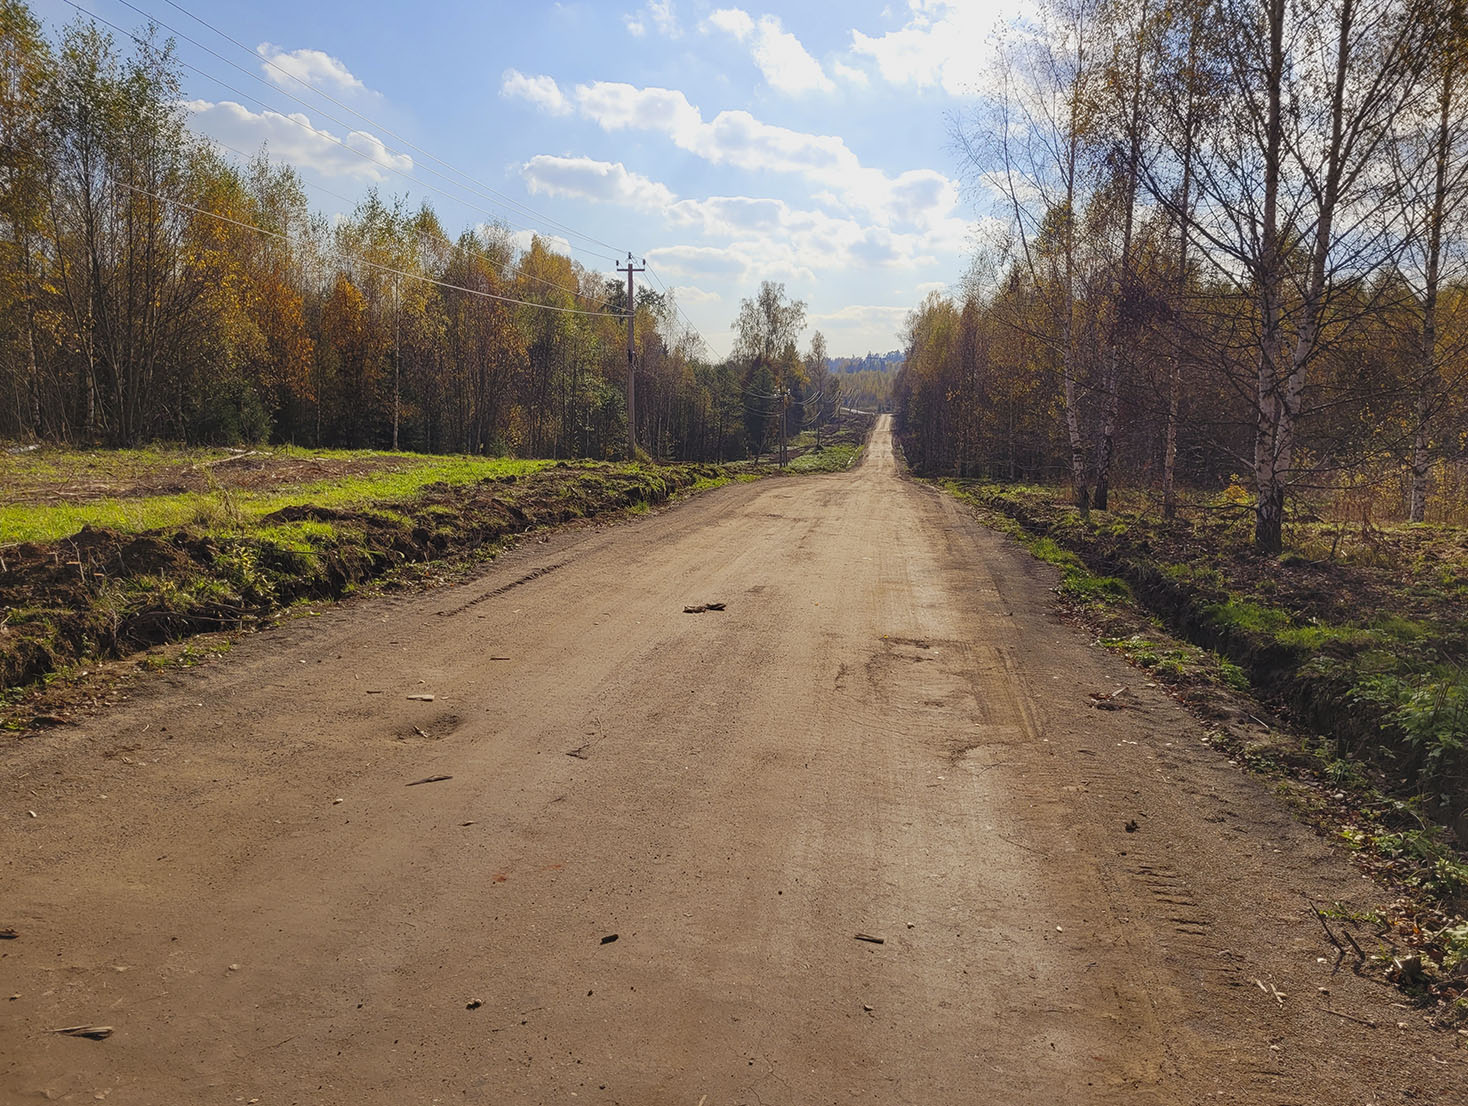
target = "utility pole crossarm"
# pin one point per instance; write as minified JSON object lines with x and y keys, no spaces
{"x":631,"y":375}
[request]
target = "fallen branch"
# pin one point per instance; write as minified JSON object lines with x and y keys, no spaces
{"x":1360,"y":956}
{"x":1350,"y":1017}
{"x":1334,"y":940}
{"x":1360,"y":953}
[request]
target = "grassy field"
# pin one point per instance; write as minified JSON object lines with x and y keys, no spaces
{"x":102,"y":554}
{"x":831,"y":458}
{"x":835,"y":449}
{"x":51,"y":494}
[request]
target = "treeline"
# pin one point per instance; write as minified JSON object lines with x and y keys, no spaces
{"x":874,"y":362}
{"x":149,"y":289}
{"x":1234,"y":255}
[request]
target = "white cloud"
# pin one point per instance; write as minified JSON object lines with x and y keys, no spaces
{"x":870,"y":326}
{"x":553,"y":242}
{"x":617,"y":106}
{"x":658,"y":13}
{"x":762,"y":232}
{"x":543,"y":92}
{"x":708,"y":262}
{"x":917,"y":208}
{"x":740,"y":262}
{"x":315,"y":68}
{"x":785,"y":63}
{"x":731,"y":215}
{"x":850,"y":74}
{"x":293,"y":139}
{"x":604,"y":181}
{"x":945,"y":43}
{"x":690,"y":296}
{"x":730,"y":138}
{"x":919,"y":198}
{"x":733,"y":21}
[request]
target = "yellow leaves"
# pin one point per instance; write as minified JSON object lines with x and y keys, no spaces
{"x":1236,"y":492}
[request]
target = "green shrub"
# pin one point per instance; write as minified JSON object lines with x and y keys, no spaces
{"x":1241,"y":614}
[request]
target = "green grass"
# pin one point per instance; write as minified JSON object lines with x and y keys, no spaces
{"x":1250,"y":617}
{"x":832,"y":458}
{"x":239,"y":566}
{"x":1048,"y":551}
{"x":1318,"y":638}
{"x":229,"y":509}
{"x":704,"y":483}
{"x":51,"y":466}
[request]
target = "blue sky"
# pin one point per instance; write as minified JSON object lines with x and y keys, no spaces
{"x":804,"y":143}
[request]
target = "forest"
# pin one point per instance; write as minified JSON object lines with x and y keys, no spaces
{"x":153,"y":289}
{"x":1226,"y":255}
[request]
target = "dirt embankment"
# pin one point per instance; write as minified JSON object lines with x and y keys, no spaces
{"x":1368,"y":653}
{"x":103,"y":594}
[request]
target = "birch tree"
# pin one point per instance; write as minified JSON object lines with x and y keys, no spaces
{"x":1433,"y":168}
{"x":1291,"y":204}
{"x":1031,"y":150}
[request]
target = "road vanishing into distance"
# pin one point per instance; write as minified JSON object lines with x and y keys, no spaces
{"x":859,"y":837}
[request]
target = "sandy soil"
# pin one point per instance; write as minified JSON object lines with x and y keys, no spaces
{"x":886,"y":733}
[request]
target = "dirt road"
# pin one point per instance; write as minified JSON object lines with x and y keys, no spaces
{"x":886,"y":733}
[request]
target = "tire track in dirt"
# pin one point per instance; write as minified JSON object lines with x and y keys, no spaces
{"x":886,"y":732}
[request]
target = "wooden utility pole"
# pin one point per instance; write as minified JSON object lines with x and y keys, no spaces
{"x":397,"y":354}
{"x":784,"y":417}
{"x":631,"y":376}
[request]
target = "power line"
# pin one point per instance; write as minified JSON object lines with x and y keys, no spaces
{"x":374,"y":123}
{"x":373,"y":161}
{"x":365,"y":261}
{"x":422,"y":234}
{"x":484,"y":191}
{"x":298,"y":122}
{"x":679,"y":308}
{"x":631,"y":355}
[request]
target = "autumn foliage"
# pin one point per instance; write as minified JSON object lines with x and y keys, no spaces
{"x":1231,"y":256}
{"x":150,"y":289}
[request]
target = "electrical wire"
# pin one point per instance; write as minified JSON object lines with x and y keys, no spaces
{"x":300,"y":122}
{"x":422,"y":234}
{"x":372,"y":122}
{"x":475,"y":187}
{"x":365,"y":261}
{"x":678,"y":307}
{"x":481,"y":190}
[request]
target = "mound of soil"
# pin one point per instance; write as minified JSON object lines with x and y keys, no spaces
{"x":91,"y":477}
{"x":104,"y":594}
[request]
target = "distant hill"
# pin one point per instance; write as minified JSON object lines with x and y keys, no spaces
{"x":866,"y":382}
{"x":872,"y":362}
